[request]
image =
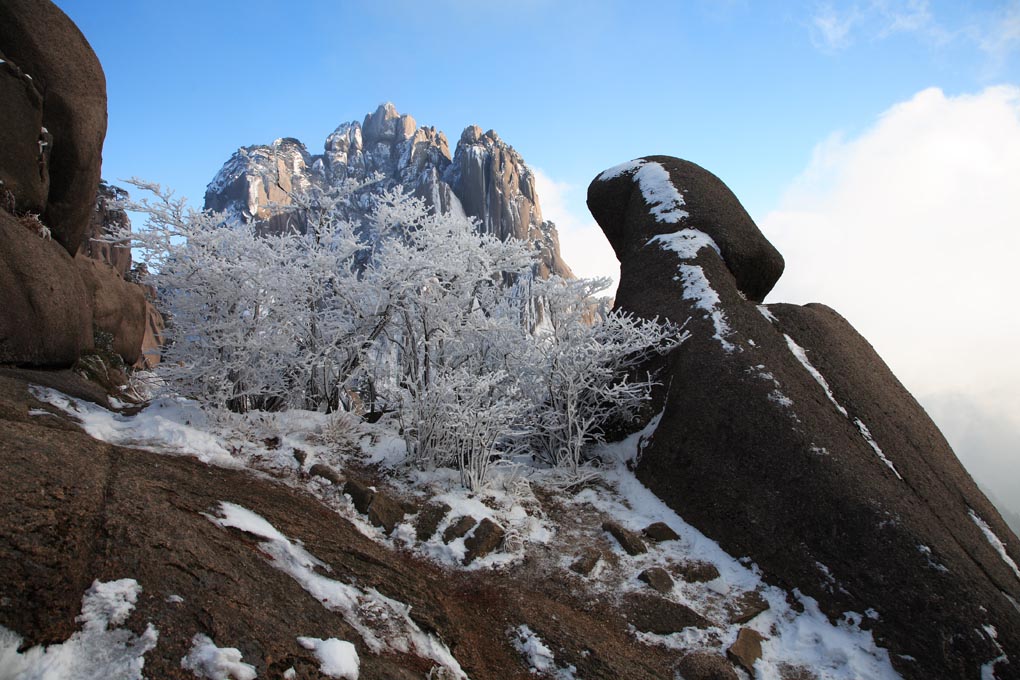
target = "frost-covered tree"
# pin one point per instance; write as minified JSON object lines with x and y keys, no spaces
{"x":257,"y":322}
{"x":428,"y":317}
{"x":580,"y":367}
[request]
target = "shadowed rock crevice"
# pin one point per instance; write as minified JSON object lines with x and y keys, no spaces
{"x":785,"y":437}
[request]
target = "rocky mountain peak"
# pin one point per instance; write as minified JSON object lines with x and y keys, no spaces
{"x":484,"y":178}
{"x":386,"y":125}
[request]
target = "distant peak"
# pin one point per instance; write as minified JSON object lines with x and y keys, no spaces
{"x":387,"y":125}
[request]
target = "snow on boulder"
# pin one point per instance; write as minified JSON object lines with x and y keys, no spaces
{"x":786,"y":438}
{"x":659,"y":196}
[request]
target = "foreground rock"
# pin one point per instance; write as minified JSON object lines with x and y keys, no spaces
{"x":73,"y":510}
{"x":787,"y":439}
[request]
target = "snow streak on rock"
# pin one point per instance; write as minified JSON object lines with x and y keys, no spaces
{"x":801,"y":355}
{"x":866,"y":433}
{"x":996,"y":543}
{"x":393,"y":628}
{"x":698,"y":290}
{"x":665,"y":202}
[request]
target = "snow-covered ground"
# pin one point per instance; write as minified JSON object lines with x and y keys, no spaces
{"x":286,"y":445}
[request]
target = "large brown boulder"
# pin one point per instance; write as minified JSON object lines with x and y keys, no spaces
{"x":44,"y":43}
{"x":24,"y":179}
{"x":635,"y":201}
{"x":47,"y":312}
{"x":786,"y":438}
{"x":118,"y":307}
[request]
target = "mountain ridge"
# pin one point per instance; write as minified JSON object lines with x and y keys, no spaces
{"x":484,"y":178}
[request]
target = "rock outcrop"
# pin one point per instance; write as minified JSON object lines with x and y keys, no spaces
{"x":53,"y":121}
{"x":41,"y":41}
{"x":785,"y":437}
{"x":74,"y":510}
{"x":108,"y":219}
{"x":46,"y":318}
{"x":484,"y":178}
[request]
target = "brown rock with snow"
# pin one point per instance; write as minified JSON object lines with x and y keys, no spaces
{"x":629,"y":540}
{"x":459,"y":529}
{"x":486,"y":537}
{"x":786,"y":438}
{"x":746,"y":649}
{"x":657,"y":578}
{"x":706,"y":666}
{"x":74,"y":510}
{"x":654,"y":614}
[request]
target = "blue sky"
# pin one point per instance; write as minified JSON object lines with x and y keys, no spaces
{"x":745,"y":89}
{"x":876,"y":142}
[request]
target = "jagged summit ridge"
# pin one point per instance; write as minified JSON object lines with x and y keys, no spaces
{"x":484,"y":178}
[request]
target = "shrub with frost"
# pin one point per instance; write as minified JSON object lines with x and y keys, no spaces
{"x":410,"y":310}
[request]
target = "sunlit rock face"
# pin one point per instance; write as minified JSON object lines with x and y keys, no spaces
{"x":484,"y":178}
{"x":785,"y":437}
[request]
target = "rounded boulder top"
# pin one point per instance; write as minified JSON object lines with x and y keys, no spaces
{"x":656,"y":195}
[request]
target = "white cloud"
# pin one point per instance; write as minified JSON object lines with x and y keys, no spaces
{"x":582,"y":243}
{"x":912,"y":231}
{"x":1002,"y":36}
{"x":832,"y":29}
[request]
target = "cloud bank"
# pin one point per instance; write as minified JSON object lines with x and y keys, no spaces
{"x":911,"y":230}
{"x":584,"y":246}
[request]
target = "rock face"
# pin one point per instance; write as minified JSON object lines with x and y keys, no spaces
{"x":46,"y":317}
{"x":484,"y":178}
{"x":108,"y":218}
{"x":24,"y":155}
{"x":118,"y":307}
{"x":45,"y":45}
{"x":786,"y":438}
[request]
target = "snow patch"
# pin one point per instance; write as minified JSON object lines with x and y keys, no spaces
{"x":664,"y":201}
{"x":96,"y":651}
{"x":166,"y":425}
{"x":621,"y":169}
{"x":206,"y":660}
{"x":538,"y":656}
{"x":767,"y":313}
{"x":994,"y":540}
{"x":685,"y":243}
{"x":662,"y":197}
{"x":698,"y":290}
{"x":392,"y":628}
{"x":337,"y":658}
